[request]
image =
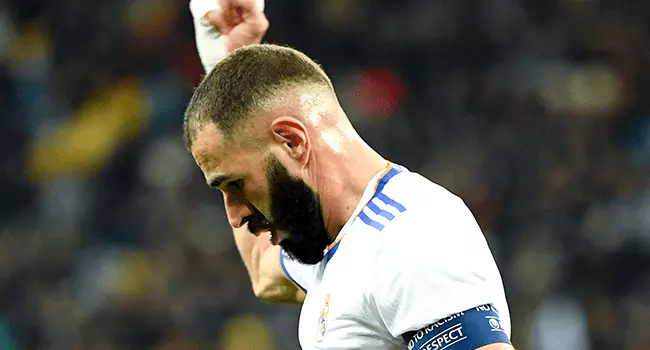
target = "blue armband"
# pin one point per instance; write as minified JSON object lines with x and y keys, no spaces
{"x":467,"y":330}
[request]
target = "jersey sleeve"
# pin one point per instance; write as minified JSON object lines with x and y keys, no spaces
{"x":299,"y":274}
{"x":433,"y":263}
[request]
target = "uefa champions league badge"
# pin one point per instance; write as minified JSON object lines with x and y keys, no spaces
{"x":322,"y":320}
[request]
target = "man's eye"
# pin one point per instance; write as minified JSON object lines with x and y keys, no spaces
{"x":235,"y":185}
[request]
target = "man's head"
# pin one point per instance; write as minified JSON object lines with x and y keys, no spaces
{"x":244,"y":83}
{"x":252,"y":126}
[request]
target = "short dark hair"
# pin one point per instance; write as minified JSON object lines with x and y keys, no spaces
{"x":239,"y":84}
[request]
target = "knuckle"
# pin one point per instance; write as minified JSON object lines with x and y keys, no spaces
{"x":260,"y":27}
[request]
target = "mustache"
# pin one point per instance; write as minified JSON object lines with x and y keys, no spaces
{"x":257,"y":222}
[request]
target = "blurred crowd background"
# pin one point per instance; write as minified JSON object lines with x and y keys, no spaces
{"x":536,"y":112}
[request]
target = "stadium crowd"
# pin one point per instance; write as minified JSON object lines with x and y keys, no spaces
{"x":536,"y":112}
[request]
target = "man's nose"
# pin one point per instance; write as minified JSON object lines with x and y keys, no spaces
{"x":237,"y":208}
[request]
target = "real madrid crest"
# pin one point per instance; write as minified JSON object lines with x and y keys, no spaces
{"x":322,"y":320}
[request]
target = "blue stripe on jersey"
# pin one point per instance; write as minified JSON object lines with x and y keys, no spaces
{"x":384,"y":198}
{"x":389,"y":175}
{"x":377,"y":210}
{"x":370,"y":222}
{"x":286,"y":272}
{"x":332,"y":251}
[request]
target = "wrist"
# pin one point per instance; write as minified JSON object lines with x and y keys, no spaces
{"x":210,"y":44}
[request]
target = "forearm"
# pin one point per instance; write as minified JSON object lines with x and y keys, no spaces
{"x":262,"y":261}
{"x":251,"y":248}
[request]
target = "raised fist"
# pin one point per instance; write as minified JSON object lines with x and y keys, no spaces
{"x":241,"y":22}
{"x":225,"y":25}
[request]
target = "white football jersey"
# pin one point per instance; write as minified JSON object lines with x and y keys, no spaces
{"x":410,"y":256}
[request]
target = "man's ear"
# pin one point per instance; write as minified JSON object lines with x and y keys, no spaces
{"x":292,"y":135}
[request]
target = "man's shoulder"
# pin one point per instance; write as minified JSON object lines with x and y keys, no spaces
{"x":424,"y":203}
{"x":419,"y":192}
{"x":435,"y":244}
{"x":434,"y":221}
{"x":402,"y":204}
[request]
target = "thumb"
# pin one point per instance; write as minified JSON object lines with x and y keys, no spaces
{"x":216,"y":19}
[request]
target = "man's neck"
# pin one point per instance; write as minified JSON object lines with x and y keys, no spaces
{"x":343,"y":181}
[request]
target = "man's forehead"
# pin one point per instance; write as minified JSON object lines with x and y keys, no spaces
{"x":219,"y":157}
{"x":208,"y":145}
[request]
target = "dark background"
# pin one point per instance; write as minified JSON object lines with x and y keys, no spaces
{"x":536,"y":112}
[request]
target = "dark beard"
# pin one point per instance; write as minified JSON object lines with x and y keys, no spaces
{"x":296,"y":210}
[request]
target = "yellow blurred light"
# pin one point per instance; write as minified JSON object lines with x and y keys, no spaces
{"x":247,"y":332}
{"x":592,"y":90}
{"x":29,"y":43}
{"x":134,"y":275}
{"x":84,"y":145}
